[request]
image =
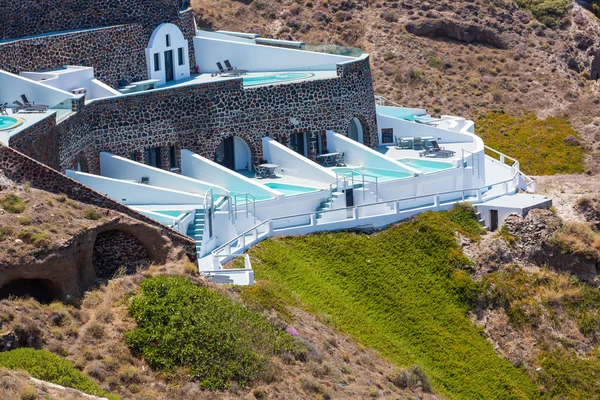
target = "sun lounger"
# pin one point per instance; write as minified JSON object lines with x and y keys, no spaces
{"x":28,"y":107}
{"x":437,"y":147}
{"x":26,"y":102}
{"x":230,"y":68}
{"x":221,"y":70}
{"x":417,"y":143}
{"x":432,"y":152}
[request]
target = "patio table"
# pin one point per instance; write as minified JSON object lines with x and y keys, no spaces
{"x":328,"y":159}
{"x":270,"y":169}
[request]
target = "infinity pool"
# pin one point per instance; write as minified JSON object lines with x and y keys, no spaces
{"x":419,"y":118}
{"x":291,"y":190}
{"x":426,"y":166}
{"x":276,"y":78}
{"x":9,"y":122}
{"x":382,"y":175}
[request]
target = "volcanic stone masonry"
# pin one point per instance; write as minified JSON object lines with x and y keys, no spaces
{"x":33,"y":17}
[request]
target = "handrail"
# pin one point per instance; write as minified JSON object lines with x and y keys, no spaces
{"x":473,"y":155}
{"x":246,"y":196}
{"x":382,"y":101}
{"x":313,"y":214}
{"x":209,"y":203}
{"x":363,"y":181}
{"x":502,"y":156}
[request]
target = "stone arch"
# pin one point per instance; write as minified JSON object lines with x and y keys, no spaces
{"x":357,"y":130}
{"x":117,"y":248}
{"x":43,"y":290}
{"x":244,"y":149}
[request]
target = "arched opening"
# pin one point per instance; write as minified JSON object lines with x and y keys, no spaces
{"x":117,"y":250}
{"x":167,"y":54}
{"x":355,"y":130}
{"x":234,"y":153}
{"x":43,"y":290}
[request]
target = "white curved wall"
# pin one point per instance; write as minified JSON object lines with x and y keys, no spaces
{"x":158,"y":45}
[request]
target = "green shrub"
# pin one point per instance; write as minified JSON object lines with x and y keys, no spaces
{"x":49,"y":367}
{"x":25,"y":220}
{"x":13,"y":204}
{"x":5,"y":231}
{"x":548,"y":12}
{"x":92,"y":214}
{"x":215,"y":339}
{"x":37,"y":237}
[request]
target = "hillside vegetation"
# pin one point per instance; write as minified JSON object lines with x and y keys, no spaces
{"x":542,"y":147}
{"x":403,"y":292}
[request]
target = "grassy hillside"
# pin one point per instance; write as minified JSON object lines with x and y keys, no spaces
{"x":399,"y":292}
{"x":543,"y":147}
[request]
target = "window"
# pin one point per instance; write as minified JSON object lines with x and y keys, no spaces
{"x":156,"y":62}
{"x":180,"y":55}
{"x":133,"y":156}
{"x":153,"y":157}
{"x":173,"y":157}
{"x":168,"y":40}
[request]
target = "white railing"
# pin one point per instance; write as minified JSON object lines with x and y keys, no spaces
{"x":209,"y":205}
{"x":529,"y":181}
{"x":474,"y":156}
{"x":265,"y":229}
{"x":364,"y":179}
{"x":249,"y":201}
{"x":382,"y":101}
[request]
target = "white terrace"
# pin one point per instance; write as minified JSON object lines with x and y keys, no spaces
{"x":227,"y":211}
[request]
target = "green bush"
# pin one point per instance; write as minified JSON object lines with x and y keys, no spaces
{"x":49,"y":367}
{"x":214,"y":338}
{"x":13,"y":204}
{"x":92,"y":214}
{"x":548,"y":12}
{"x":37,"y":237}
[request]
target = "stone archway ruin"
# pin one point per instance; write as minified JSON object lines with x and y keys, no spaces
{"x":116,"y":250}
{"x":43,"y":290}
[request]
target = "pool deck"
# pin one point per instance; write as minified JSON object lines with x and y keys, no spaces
{"x":286,"y":180}
{"x":30,"y":119}
{"x":207,"y":78}
{"x":392,"y":152}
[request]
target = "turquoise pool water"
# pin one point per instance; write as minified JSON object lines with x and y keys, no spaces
{"x":275,"y":78}
{"x":383,"y":175}
{"x":170,"y":213}
{"x":426,"y":166}
{"x":291,"y":190}
{"x":419,"y":118}
{"x":9,"y":122}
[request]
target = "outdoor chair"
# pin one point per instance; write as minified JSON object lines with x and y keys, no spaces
{"x":399,"y":143}
{"x":26,"y":102}
{"x":339,"y":160}
{"x":221,"y":69}
{"x":417,"y":143}
{"x":260,"y":172}
{"x":437,"y":147}
{"x":431,"y":152}
{"x":28,"y":107}
{"x":3,"y":109}
{"x":230,"y":68}
{"x":145,"y":180}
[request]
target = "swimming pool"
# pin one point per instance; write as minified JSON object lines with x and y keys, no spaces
{"x":291,"y":190}
{"x":276,"y":78}
{"x":426,"y":166}
{"x":419,"y":118}
{"x":382,"y":175}
{"x":9,"y":122}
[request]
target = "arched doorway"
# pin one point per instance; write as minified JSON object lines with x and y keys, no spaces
{"x":115,"y":249}
{"x":167,"y":54}
{"x":43,"y":290}
{"x":355,"y":130}
{"x":234,"y":153}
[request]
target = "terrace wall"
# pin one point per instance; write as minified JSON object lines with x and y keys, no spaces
{"x":115,"y":52}
{"x":40,"y":141}
{"x":33,"y":17}
{"x":200,"y":117}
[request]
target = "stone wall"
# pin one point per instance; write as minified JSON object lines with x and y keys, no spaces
{"x":40,"y":141}
{"x":32,"y":17}
{"x":200,"y":117}
{"x":115,"y":249}
{"x":115,"y":52}
{"x":20,"y":168}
